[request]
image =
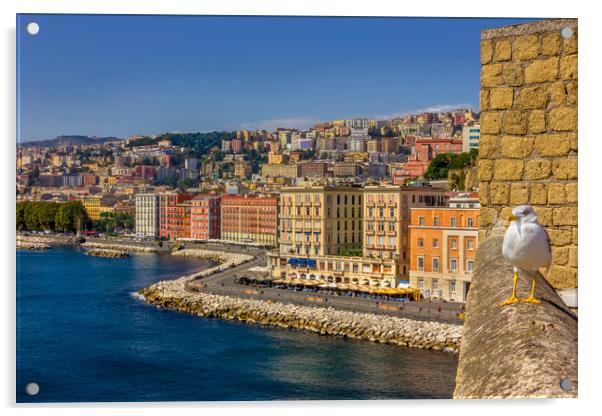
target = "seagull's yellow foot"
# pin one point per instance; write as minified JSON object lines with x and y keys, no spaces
{"x":531,"y":299}
{"x":512,"y":299}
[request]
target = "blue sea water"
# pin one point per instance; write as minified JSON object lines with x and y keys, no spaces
{"x":83,"y":337}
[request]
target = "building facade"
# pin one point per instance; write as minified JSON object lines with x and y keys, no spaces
{"x":205,"y":214}
{"x":443,"y":246}
{"x":249,"y":219}
{"x":471,"y":133}
{"x":174,"y":217}
{"x":147,"y":215}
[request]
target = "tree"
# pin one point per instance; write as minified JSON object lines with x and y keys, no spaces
{"x":69,"y":215}
{"x":441,"y":164}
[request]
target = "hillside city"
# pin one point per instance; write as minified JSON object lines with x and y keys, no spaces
{"x":378,"y":203}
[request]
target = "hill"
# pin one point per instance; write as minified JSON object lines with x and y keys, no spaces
{"x":70,"y":141}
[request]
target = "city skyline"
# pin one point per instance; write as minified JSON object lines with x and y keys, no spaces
{"x":339,"y":68}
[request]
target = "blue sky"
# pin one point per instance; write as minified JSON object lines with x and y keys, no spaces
{"x":125,"y":75}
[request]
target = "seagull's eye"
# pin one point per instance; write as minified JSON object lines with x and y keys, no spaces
{"x":525,"y":212}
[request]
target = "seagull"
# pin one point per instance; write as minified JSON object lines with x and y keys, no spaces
{"x":527,"y":246}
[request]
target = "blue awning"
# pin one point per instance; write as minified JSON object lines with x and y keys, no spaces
{"x":307,"y":232}
{"x":311,"y":263}
{"x":292,"y":261}
{"x":301,"y":262}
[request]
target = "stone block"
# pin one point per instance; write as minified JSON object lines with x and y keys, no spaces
{"x":526,"y":47}
{"x":544,"y":215}
{"x":519,"y":193}
{"x":484,"y":194}
{"x":488,"y":216}
{"x":571,"y":92}
{"x":491,"y":75}
{"x":513,"y":74}
{"x":551,"y":44}
{"x":539,"y":193}
{"x":573,"y":258}
{"x":571,"y":193}
{"x":490,"y":122}
{"x":570,"y":45}
{"x":533,"y":97}
{"x":503,"y":50}
{"x":485,"y":170}
{"x":542,"y":70}
{"x":558,"y":93}
{"x":563,"y":119}
{"x":499,"y":193}
{"x":486,"y":51}
{"x":565,"y":216}
{"x":516,"y":146}
{"x":508,"y":169}
{"x":568,"y":67}
{"x":487,"y":146}
{"x":538,"y":169}
{"x":553,"y":144}
{"x":501,"y":98}
{"x":564,"y":169}
{"x":560,"y":237}
{"x":515,"y":122}
{"x":556,"y":194}
{"x":484,"y":100}
{"x":562,"y":277}
{"x":537,"y":121}
{"x":560,"y":255}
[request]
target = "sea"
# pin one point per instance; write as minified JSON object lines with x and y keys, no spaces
{"x":83,"y":335}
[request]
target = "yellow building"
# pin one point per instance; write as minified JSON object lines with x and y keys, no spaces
{"x":275,"y":158}
{"x":92,"y":206}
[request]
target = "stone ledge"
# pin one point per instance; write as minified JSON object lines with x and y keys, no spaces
{"x":540,"y":26}
{"x":519,"y":351}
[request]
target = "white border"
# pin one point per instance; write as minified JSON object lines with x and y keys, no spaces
{"x":591,"y":148}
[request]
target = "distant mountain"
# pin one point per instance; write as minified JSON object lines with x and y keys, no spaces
{"x":70,"y":141}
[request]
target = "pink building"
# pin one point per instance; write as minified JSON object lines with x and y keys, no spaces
{"x":145,"y":172}
{"x":427,"y":149}
{"x":205,"y":217}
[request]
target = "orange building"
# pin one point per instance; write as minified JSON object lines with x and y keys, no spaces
{"x":205,"y":217}
{"x":443,"y":246}
{"x":174,"y":219}
{"x":249,"y":219}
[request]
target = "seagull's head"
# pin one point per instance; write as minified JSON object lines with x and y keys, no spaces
{"x":523,"y":214}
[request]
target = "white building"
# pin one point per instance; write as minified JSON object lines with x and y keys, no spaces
{"x":147,"y":215}
{"x":471,"y":133}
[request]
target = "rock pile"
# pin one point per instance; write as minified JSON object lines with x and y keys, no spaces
{"x":120,"y":247}
{"x":31,"y":245}
{"x":113,"y":254}
{"x":326,"y":321}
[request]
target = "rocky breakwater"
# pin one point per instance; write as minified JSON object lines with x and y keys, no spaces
{"x":119,"y":247}
{"x":31,"y":245}
{"x":113,"y":254}
{"x":326,"y":321}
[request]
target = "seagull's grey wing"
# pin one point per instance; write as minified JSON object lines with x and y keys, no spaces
{"x":547,"y":239}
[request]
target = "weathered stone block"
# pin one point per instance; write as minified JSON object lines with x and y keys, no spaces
{"x":486,"y":51}
{"x":518,"y":147}
{"x":485,"y":170}
{"x":487,"y":146}
{"x":564,"y":169}
{"x":519,"y":193}
{"x":562,"y":277}
{"x":499,"y":193}
{"x":490,"y":122}
{"x":570,"y":44}
{"x":542,"y":70}
{"x":488,"y":216}
{"x":538,"y":169}
{"x":526,"y":47}
{"x":544,"y":215}
{"x":556,"y":194}
{"x":513,"y":74}
{"x":551,"y":44}
{"x":571,"y":92}
{"x":501,"y":98}
{"x":533,"y":97}
{"x":484,"y":100}
{"x":515,"y":122}
{"x":573,"y":259}
{"x":565,"y":216}
{"x":558,"y":93}
{"x":563,"y":118}
{"x":484,"y":194}
{"x":571,"y":193}
{"x":568,"y":67}
{"x":553,"y":144}
{"x":560,"y":255}
{"x":508,"y":169}
{"x":491,"y":75}
{"x":539,"y":193}
{"x":503,"y":50}
{"x":537,"y":121}
{"x":560,"y":237}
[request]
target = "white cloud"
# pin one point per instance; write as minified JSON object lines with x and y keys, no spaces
{"x":437,"y":108}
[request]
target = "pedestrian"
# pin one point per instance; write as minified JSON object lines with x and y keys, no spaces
{"x":439,"y":308}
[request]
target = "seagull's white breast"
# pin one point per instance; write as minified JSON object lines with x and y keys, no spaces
{"x":526,"y":246}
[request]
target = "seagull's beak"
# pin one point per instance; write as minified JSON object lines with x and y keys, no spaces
{"x":512,"y":217}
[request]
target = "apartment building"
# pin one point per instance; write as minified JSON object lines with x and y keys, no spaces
{"x":249,"y":219}
{"x":205,"y":215}
{"x":147,"y":215}
{"x":174,"y":217}
{"x":443,"y":246}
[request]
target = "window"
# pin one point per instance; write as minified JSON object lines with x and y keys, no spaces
{"x":469,"y":222}
{"x":452,"y":287}
{"x":381,"y":212}
{"x":453,"y":221}
{"x":420,"y":263}
{"x":436,"y":221}
{"x":435,"y":264}
{"x":454,"y":244}
{"x":435,"y":284}
{"x":454,"y":264}
{"x":420,"y":242}
{"x":370,"y":212}
{"x":470,"y":265}
{"x":392,"y":212}
{"x":420,"y":220}
{"x":470,"y":244}
{"x":420,"y":284}
{"x":435,"y":243}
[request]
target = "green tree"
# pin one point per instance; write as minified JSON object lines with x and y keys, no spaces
{"x":69,"y":215}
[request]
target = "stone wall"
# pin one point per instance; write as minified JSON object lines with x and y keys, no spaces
{"x":528,"y":145}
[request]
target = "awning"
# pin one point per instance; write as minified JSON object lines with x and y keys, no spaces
{"x":311,"y":263}
{"x":292,"y":261}
{"x":301,"y":262}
